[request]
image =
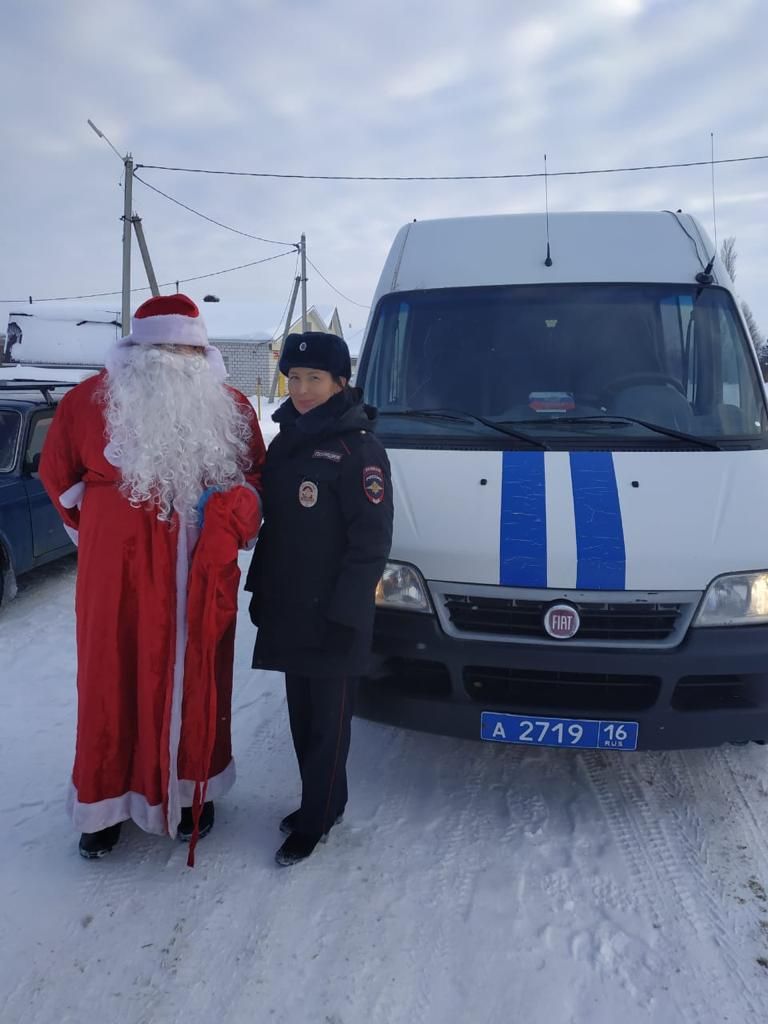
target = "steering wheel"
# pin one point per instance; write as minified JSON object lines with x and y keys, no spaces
{"x":632,"y":380}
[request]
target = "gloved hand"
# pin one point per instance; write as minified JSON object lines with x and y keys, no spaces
{"x":201,"y":503}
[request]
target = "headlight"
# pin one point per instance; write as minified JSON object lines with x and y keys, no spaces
{"x":737,"y":600}
{"x":402,"y":587}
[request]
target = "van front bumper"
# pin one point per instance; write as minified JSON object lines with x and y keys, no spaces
{"x":711,"y":689}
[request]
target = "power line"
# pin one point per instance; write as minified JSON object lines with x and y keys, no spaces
{"x":320,"y":274}
{"x":146,"y":288}
{"x":451,"y":177}
{"x":245,"y":234}
{"x":204,"y":216}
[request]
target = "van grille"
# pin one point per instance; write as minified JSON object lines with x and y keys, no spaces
{"x":717,"y":693}
{"x":574,"y":691}
{"x":640,"y":623}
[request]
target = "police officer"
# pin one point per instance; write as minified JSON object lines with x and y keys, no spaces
{"x":326,"y":536}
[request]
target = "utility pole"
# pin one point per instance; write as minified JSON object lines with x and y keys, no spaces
{"x":303,"y":248}
{"x":127,"y":223}
{"x":130,"y":221}
{"x":136,"y":221}
{"x":288,"y":319}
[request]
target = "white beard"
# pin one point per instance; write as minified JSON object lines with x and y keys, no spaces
{"x":173,"y":429}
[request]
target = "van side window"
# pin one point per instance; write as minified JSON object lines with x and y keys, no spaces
{"x":386,"y":369}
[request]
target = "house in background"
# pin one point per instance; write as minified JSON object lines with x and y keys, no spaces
{"x":251,"y":358}
{"x":315,"y":322}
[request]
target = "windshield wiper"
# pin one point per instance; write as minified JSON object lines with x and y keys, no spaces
{"x":667,"y":431}
{"x":468,"y":417}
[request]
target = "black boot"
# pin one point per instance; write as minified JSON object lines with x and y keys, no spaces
{"x":187,"y":824}
{"x":296,"y":847}
{"x":99,"y":844}
{"x":288,"y":823}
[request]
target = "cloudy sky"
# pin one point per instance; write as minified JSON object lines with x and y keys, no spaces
{"x":342,"y":87}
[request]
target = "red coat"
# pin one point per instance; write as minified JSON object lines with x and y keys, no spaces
{"x":156,"y":605}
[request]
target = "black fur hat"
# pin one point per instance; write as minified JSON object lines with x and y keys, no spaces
{"x":318,"y":351}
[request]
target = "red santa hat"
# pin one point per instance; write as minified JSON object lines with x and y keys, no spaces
{"x":168,"y":320}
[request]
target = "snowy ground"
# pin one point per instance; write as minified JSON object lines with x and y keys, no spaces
{"x":468,"y":883}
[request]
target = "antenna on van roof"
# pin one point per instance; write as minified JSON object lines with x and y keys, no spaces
{"x":548,"y":260}
{"x":705,"y":277}
{"x":712,"y":166}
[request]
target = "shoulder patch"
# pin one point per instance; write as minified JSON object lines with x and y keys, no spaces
{"x":322,"y":453}
{"x":373,"y":484}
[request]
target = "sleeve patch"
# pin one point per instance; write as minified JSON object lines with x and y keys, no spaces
{"x":373,"y":484}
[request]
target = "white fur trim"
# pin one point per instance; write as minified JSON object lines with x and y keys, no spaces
{"x":171,"y":329}
{"x":73,"y":496}
{"x":177,"y":693}
{"x":73,"y":534}
{"x":215,"y":361}
{"x":134,"y":806}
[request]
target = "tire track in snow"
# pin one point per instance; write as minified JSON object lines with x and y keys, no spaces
{"x":667,"y":868}
{"x":715,"y":770}
{"x":454,"y":880}
{"x":757,"y":835}
{"x":687,"y":790}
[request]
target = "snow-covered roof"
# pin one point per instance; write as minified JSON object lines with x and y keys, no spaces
{"x":238,"y":320}
{"x":62,"y":333}
{"x":65,"y":311}
{"x":60,"y":374}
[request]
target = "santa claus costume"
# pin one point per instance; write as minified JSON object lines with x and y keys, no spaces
{"x":154,"y":467}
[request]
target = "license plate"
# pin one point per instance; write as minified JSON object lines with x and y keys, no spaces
{"x":542,"y":731}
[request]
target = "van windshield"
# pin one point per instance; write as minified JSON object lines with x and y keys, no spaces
{"x":567,"y":363}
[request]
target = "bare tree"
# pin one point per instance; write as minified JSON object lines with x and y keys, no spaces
{"x":728,"y":256}
{"x":754,"y":331}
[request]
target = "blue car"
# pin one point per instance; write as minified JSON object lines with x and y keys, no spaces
{"x":31,"y":532}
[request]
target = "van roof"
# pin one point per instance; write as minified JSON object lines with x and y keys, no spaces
{"x":656,"y":247}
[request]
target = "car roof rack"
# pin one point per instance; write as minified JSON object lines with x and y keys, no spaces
{"x":43,"y":386}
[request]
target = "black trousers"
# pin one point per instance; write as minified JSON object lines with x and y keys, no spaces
{"x":320,"y":713}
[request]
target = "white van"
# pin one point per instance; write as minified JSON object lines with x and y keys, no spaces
{"x":578,"y":450}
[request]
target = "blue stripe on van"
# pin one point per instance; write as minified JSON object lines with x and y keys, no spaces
{"x":523,"y":554}
{"x":600,"y":555}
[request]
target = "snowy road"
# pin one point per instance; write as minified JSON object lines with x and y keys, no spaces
{"x":469,"y":882}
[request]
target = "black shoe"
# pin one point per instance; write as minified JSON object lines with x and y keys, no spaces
{"x":297,"y":847}
{"x":187,"y":824}
{"x":99,"y":844}
{"x":288,"y":824}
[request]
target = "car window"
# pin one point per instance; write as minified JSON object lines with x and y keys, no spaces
{"x":37,"y":436}
{"x":10,"y":424}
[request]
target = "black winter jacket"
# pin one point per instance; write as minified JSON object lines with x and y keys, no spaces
{"x":326,"y":537}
